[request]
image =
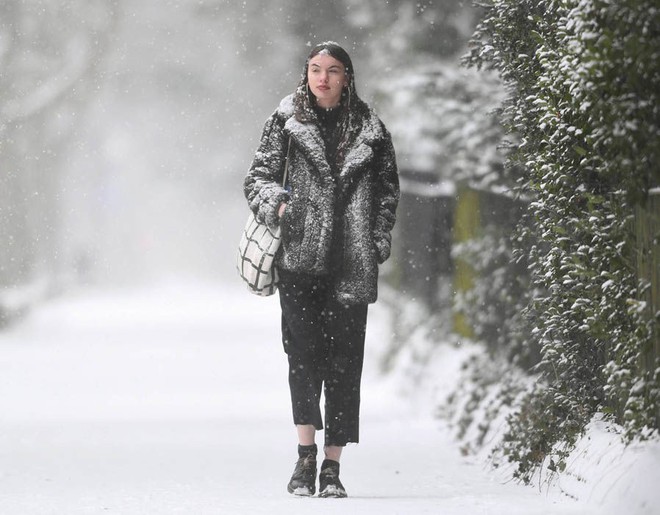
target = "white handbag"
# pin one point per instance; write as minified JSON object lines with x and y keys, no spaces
{"x":257,"y":249}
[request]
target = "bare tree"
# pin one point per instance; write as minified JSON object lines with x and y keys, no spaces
{"x":49,"y":58}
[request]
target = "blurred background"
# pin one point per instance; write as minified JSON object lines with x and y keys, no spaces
{"x":126,"y":129}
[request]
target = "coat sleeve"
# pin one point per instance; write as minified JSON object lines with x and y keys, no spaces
{"x":263,"y":184}
{"x":386,"y":196}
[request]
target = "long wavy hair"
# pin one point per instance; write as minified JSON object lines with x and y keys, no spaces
{"x":353,"y":110}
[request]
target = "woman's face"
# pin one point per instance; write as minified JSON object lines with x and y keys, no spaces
{"x":326,"y":77}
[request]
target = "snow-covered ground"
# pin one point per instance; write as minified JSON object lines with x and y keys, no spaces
{"x":174,"y":399}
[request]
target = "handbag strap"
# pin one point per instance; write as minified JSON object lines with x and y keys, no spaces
{"x":286,"y":164}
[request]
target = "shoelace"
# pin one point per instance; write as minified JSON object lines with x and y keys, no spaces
{"x":307,"y":462}
{"x":330,"y":473}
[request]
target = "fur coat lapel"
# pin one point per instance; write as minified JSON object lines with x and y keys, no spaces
{"x":308,"y":138}
{"x":337,"y":225}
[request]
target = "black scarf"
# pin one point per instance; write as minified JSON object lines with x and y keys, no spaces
{"x":328,"y":123}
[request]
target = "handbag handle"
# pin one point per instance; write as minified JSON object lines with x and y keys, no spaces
{"x":286,"y":164}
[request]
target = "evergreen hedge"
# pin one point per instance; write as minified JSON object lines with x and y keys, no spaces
{"x":583,"y":78}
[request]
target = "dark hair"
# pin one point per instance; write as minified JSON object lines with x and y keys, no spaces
{"x":333,"y":50}
{"x":353,"y":111}
{"x":304,"y":100}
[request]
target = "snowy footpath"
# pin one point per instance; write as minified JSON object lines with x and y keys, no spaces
{"x":174,"y":399}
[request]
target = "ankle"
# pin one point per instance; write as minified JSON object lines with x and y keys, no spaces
{"x":333,"y":452}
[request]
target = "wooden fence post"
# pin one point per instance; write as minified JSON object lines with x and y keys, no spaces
{"x":647,"y":233}
{"x":467,"y":220}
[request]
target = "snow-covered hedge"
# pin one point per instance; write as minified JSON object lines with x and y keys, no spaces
{"x":583,"y":80}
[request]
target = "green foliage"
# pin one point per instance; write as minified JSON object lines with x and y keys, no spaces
{"x":583,"y":103}
{"x":540,"y":444}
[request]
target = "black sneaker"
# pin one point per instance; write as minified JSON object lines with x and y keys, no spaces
{"x":303,"y":479}
{"x":329,"y":484}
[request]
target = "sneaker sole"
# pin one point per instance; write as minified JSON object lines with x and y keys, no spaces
{"x":334,"y":492}
{"x":301,"y":491}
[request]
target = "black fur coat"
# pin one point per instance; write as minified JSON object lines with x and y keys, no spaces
{"x":333,"y":224}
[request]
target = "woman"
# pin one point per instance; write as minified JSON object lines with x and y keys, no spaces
{"x":336,"y":214}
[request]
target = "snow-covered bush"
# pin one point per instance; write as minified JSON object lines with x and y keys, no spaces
{"x":494,"y":303}
{"x":582,"y":77}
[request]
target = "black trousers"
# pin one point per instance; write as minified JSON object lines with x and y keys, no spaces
{"x":324,"y":341}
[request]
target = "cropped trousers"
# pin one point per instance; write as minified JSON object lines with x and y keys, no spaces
{"x":324,"y":342}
